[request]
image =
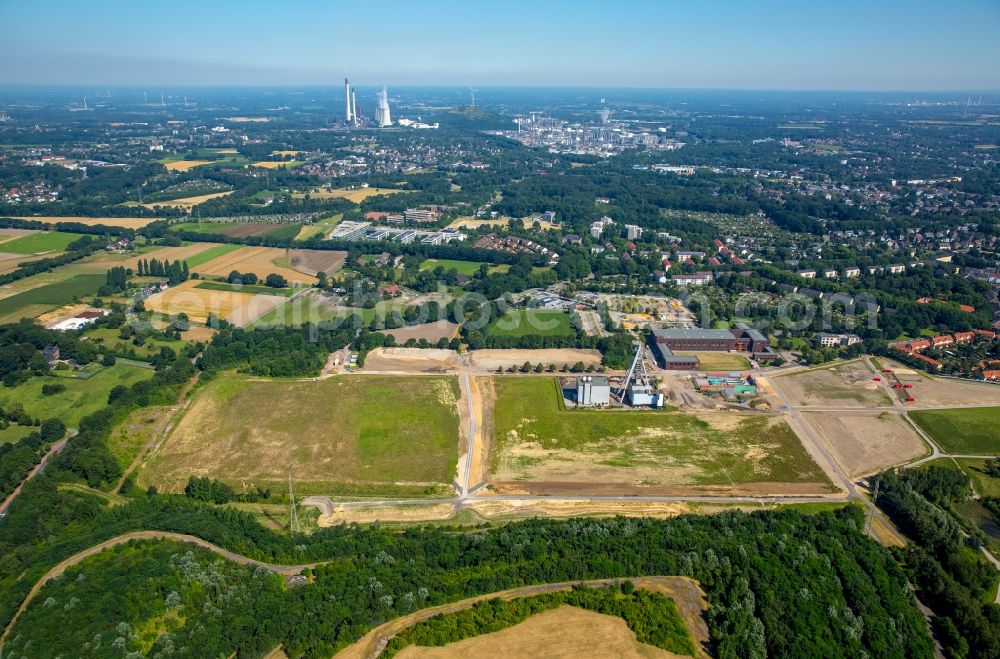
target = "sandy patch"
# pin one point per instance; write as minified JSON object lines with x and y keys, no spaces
{"x":493,"y":359}
{"x":432,"y":332}
{"x":411,"y":360}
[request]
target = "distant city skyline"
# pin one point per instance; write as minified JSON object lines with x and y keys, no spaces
{"x":851,"y":45}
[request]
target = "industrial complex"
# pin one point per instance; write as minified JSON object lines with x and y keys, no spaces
{"x":741,"y":340}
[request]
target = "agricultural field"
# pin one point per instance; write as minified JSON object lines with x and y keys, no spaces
{"x":970,"y":431}
{"x":129,"y":222}
{"x":719,"y":361}
{"x":11,"y":262}
{"x":866,"y":442}
{"x":357,"y":195}
{"x":183,"y":165}
{"x":467,"y":268}
{"x":239,"y":308}
{"x":248,"y":289}
{"x":81,"y":397}
{"x":323,"y":432}
{"x":275,"y":164}
{"x":189,"y":253}
{"x":185,"y":203}
{"x":563,"y":632}
{"x":240,"y":229}
{"x":525,"y":322}
{"x":36,"y":301}
{"x":542,"y":448}
{"x":311,"y":261}
{"x":39,"y":243}
{"x":205,"y":253}
{"x":260,"y":260}
{"x":847,"y":385}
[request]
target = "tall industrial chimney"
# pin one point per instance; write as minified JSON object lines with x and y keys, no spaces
{"x":347,"y":95}
{"x":354,"y":106}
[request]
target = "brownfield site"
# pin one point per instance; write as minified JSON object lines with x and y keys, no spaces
{"x":944,"y":392}
{"x":431,"y":332}
{"x":411,"y":360}
{"x":866,"y":442}
{"x":846,"y":385}
{"x":493,"y":359}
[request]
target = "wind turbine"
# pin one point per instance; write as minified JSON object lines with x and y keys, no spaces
{"x":85,"y":103}
{"x":473,"y":93}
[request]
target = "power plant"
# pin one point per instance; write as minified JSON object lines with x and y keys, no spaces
{"x":382,"y":116}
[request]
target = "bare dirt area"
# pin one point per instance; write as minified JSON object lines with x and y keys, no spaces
{"x":411,"y":360}
{"x":68,"y":311}
{"x":311,"y":261}
{"x":482,"y":394}
{"x":947,"y":392}
{"x":493,"y":359}
{"x":432,"y":332}
{"x":198,"y":303}
{"x":865,"y":442}
{"x":846,"y":385}
{"x":560,"y":633}
{"x":685,"y":592}
{"x":198,"y":333}
{"x":261,"y":261}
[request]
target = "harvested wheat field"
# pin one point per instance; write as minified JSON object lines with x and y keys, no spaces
{"x":261,"y":261}
{"x":846,"y":385}
{"x":357,"y":195}
{"x":129,"y":222}
{"x":11,"y":234}
{"x":185,"y":165}
{"x":311,"y":261}
{"x":493,"y":359}
{"x":866,"y":442}
{"x":236,"y":307}
{"x":10,"y":262}
{"x":558,"y":634}
{"x":186,"y":203}
{"x":274,"y":164}
{"x":411,"y":360}
{"x":181,"y":253}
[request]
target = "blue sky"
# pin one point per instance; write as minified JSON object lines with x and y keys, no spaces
{"x":720,"y":44}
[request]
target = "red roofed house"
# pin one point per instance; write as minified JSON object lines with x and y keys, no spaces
{"x":714,"y":261}
{"x":919,"y":344}
{"x":736,"y":260}
{"x":942,"y":340}
{"x":967,"y":308}
{"x":991,"y":375}
{"x":964,"y":337}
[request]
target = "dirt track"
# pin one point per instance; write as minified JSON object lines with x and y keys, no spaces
{"x":62,"y":566}
{"x":685,"y":592}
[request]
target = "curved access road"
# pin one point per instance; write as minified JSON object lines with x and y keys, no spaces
{"x":59,"y":568}
{"x":684,"y":591}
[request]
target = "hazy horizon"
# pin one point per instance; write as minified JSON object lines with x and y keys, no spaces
{"x":772,"y":45}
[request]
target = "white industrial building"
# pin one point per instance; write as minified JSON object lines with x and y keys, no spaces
{"x":593,"y":390}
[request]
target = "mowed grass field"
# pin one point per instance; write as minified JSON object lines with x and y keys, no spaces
{"x":970,"y":431}
{"x":362,"y":435}
{"x":82,"y":396}
{"x":467,"y":268}
{"x":535,"y":439}
{"x":37,"y":243}
{"x":524,"y":322}
{"x":36,"y":301}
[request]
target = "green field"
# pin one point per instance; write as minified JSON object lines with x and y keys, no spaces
{"x":211,"y":253}
{"x":12,"y":433}
{"x":36,"y":301}
{"x":467,"y":268}
{"x":359,"y":435}
{"x":82,"y":396}
{"x":719,"y":361}
{"x":36,"y":243}
{"x":525,"y":322}
{"x":975,"y":468}
{"x":244,"y":288}
{"x":970,"y":431}
{"x":535,"y":439}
